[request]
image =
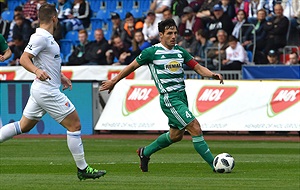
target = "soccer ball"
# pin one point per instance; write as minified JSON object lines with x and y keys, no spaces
{"x":223,"y":163}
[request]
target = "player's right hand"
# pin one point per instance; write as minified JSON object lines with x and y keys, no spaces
{"x":42,"y":75}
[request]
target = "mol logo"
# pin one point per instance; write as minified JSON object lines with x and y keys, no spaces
{"x":138,"y":96}
{"x":282,"y":99}
{"x":7,"y":75}
{"x":112,"y":74}
{"x":210,"y":96}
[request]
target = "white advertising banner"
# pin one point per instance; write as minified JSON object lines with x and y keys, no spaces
{"x":234,"y":106}
{"x":76,"y":73}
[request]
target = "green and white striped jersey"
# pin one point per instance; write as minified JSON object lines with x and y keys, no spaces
{"x":166,"y":66}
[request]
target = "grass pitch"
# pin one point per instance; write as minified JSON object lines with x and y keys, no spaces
{"x":47,"y":164}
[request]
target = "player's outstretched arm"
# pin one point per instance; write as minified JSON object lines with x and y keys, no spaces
{"x":205,"y":72}
{"x":110,"y":84}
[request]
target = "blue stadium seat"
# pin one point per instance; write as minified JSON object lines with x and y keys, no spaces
{"x":73,"y":36}
{"x":7,"y":15}
{"x":12,"y":4}
{"x":65,"y":49}
{"x":121,"y":12}
{"x":103,"y":15}
{"x":250,"y":56}
{"x":96,"y":23}
{"x":91,"y":35}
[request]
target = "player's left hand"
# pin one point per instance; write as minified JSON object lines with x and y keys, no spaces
{"x":66,"y":82}
{"x":218,"y":76}
{"x":107,"y":85}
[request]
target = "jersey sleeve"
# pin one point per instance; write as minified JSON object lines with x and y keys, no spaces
{"x":146,"y":56}
{"x":186,"y":55}
{"x":3,"y":44}
{"x":36,"y":44}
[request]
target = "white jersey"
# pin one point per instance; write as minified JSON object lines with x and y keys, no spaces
{"x":46,"y":54}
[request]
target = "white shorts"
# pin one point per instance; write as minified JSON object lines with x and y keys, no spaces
{"x":51,"y":101}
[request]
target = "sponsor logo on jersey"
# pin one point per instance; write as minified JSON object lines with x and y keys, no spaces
{"x":282,"y":99}
{"x":112,"y":73}
{"x":67,"y":104}
{"x":211,"y":96}
{"x":173,"y":66}
{"x":138,"y":96}
{"x":163,"y":57}
{"x":7,"y":75}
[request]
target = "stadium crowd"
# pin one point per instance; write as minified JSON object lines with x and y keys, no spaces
{"x":222,"y":34}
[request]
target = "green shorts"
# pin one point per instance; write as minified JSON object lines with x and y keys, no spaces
{"x":175,"y":106}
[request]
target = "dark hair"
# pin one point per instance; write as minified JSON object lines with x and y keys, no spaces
{"x":18,"y":17}
{"x":46,"y":12}
{"x":18,"y":8}
{"x":245,"y":14}
{"x":232,"y":39}
{"x":128,"y":14}
{"x":166,"y":24}
{"x":202,"y":33}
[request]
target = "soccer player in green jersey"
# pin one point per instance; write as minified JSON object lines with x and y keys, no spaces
{"x":165,"y":61}
{"x":5,"y":52}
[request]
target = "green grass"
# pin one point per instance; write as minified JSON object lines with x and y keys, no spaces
{"x":47,"y":164}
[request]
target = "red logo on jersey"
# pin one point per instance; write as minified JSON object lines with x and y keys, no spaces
{"x":282,"y":99}
{"x":210,"y":96}
{"x":7,"y":75}
{"x":68,"y":74}
{"x":112,"y":74}
{"x":67,"y":104}
{"x":138,"y":96}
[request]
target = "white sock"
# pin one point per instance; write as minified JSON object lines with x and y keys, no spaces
{"x":9,"y":130}
{"x":76,"y":148}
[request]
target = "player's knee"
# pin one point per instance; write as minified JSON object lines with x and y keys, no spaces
{"x":176,"y":138}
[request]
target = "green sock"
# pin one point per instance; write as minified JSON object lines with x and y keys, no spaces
{"x":202,"y":148}
{"x":161,"y":142}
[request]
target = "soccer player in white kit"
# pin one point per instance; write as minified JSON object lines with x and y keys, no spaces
{"x":45,"y":96}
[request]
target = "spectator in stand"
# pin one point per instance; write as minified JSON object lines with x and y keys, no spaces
{"x":150,"y":29}
{"x":64,"y":8}
{"x":239,"y":30}
{"x":30,"y":10}
{"x":138,"y":42}
{"x":292,"y":11}
{"x":254,"y":7}
{"x":219,"y":21}
{"x":189,"y":41}
{"x":35,"y":23}
{"x":189,"y":21}
{"x":293,"y":59}
{"x":167,"y":14}
{"x":228,"y":8}
{"x":206,"y":8}
{"x":236,"y":55}
{"x":242,"y":5}
{"x":196,"y":4}
{"x":277,"y":29}
{"x":82,"y":11}
{"x":202,"y":44}
{"x":23,"y":28}
{"x":17,"y":11}
{"x":17,"y":49}
{"x":95,"y":52}
{"x":157,"y":6}
{"x":130,"y":27}
{"x":77,"y":57}
{"x":5,"y":52}
{"x":176,"y":9}
{"x":218,"y":54}
{"x":273,"y":58}
{"x":4,"y":27}
{"x":260,"y":37}
{"x":117,"y":28}
{"x":121,"y":53}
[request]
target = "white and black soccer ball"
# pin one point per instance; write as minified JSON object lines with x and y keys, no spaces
{"x":223,"y":163}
